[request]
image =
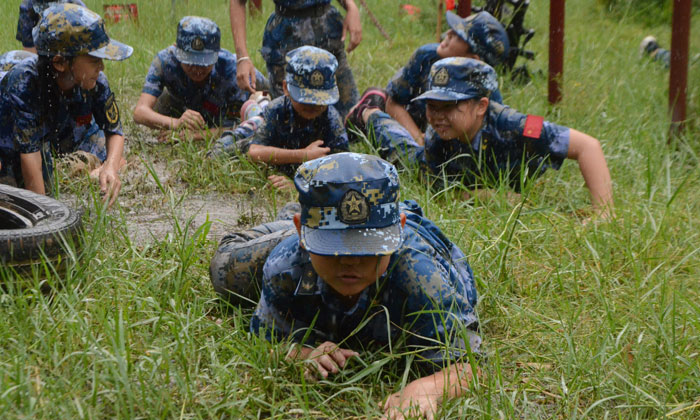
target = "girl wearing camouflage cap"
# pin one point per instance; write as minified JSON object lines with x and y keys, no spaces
{"x":479,"y":36}
{"x":60,"y":102}
{"x":479,"y":143}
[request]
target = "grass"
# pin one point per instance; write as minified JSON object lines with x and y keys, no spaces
{"x":597,"y":321}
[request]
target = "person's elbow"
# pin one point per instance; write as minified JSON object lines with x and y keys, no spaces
{"x":255,"y":153}
{"x":582,"y":145}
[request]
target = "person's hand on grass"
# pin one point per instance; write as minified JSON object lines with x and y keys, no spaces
{"x":190,"y":119}
{"x":325,"y":359}
{"x":110,"y":184}
{"x":415,"y":400}
{"x":281,"y":182}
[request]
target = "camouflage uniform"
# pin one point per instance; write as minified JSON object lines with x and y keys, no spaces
{"x":349,"y":206}
{"x":284,"y":129}
{"x":485,"y":36}
{"x":81,"y":118}
{"x":29,"y":13}
{"x":310,"y":80}
{"x":307,"y":22}
{"x":509,"y":145}
{"x":11,"y":58}
{"x":219,"y":100}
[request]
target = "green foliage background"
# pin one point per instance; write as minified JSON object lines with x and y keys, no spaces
{"x":580,"y":321}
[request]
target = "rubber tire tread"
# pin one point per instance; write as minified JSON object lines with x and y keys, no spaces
{"x":20,"y":246}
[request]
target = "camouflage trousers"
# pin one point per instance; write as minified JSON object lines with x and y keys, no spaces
{"x":285,"y":33}
{"x":237,"y":267}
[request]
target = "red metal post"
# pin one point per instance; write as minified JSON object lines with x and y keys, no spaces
{"x":255,"y":7}
{"x":556,"y":48}
{"x":464,"y":8}
{"x":679,"y":64}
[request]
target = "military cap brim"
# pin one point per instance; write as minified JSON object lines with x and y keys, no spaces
{"x":455,"y":22}
{"x":204,"y":58}
{"x":363,"y":242}
{"x":114,"y":50}
{"x":446,"y":96}
{"x":313,"y":96}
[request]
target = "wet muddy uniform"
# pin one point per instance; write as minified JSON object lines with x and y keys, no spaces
{"x":412,"y":80}
{"x":219,"y":100}
{"x":29,"y":17}
{"x":79,"y":121}
{"x":12,"y":58}
{"x":428,"y":288}
{"x":284,"y":129}
{"x":307,"y":22}
{"x":507,"y":143}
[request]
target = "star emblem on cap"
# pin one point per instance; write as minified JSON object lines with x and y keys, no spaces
{"x":317,"y":78}
{"x":441,"y":78}
{"x":197,"y":44}
{"x":353,"y":208}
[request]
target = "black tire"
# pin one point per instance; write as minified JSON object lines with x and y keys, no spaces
{"x":33,"y":225}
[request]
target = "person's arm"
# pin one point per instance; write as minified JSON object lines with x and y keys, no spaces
{"x":31,"y":172}
{"x":110,"y":184}
{"x":351,"y":24}
{"x":422,"y":397}
{"x":591,"y":161}
{"x":399,"y":113}
{"x":245,"y":70}
{"x":279,"y":156}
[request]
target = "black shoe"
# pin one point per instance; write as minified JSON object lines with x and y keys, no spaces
{"x":372,"y":97}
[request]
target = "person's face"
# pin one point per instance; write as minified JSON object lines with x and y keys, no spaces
{"x":197,"y":74}
{"x":305,"y":111}
{"x":454,"y":46}
{"x":456,"y":120}
{"x":349,"y":275}
{"x":308,"y":111}
{"x":85,"y":70}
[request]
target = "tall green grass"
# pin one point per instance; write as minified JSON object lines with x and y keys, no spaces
{"x":595,"y":321}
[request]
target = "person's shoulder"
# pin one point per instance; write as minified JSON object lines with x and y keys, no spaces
{"x":276,"y":108}
{"x":22,"y":76}
{"x":502,"y":117}
{"x":26,"y":6}
{"x":78,"y":2}
{"x":427,"y":50}
{"x":284,"y":266}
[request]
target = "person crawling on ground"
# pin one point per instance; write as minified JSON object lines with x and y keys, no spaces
{"x":191,"y":86}
{"x":357,"y":268}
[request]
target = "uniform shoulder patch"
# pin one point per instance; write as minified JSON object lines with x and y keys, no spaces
{"x":533,"y":126}
{"x":111,"y":110}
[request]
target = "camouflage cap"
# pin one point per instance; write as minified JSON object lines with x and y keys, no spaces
{"x":311,"y":76}
{"x":459,"y":79}
{"x":484,"y":34}
{"x":198,"y":41}
{"x":71,"y":30}
{"x":349,"y":205}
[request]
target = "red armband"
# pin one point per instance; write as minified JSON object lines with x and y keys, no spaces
{"x":533,"y":126}
{"x":82,"y":120}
